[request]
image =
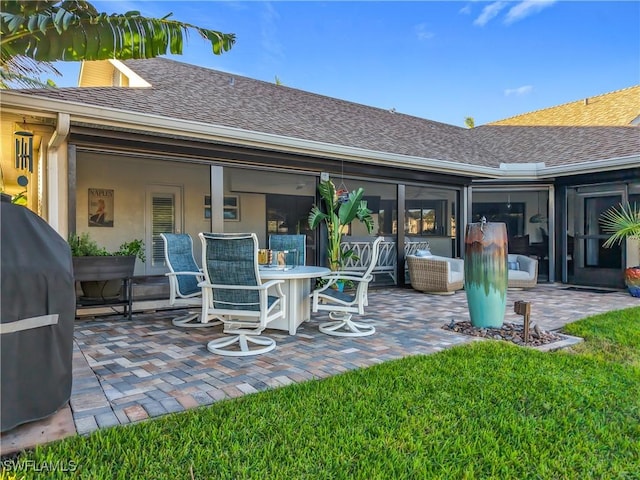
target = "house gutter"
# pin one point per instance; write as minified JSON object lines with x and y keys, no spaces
{"x":56,"y":178}
{"x":63,"y":125}
{"x":115,"y":118}
{"x":595,"y":166}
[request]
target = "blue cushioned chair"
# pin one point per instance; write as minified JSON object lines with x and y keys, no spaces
{"x":233,"y":292}
{"x":342,"y":305}
{"x":290,"y":242}
{"x":184,"y":276}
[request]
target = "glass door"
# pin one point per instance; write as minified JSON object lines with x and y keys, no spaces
{"x":592,"y":263}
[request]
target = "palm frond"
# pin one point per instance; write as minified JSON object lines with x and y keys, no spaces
{"x":621,"y":221}
{"x":25,"y":72}
{"x":74,"y":30}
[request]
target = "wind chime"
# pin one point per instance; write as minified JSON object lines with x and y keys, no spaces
{"x":24,"y":148}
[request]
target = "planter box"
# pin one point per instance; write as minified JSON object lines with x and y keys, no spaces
{"x":103,"y":268}
{"x":102,"y":276}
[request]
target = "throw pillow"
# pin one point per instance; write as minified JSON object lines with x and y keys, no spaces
{"x":513,"y":265}
{"x":423,"y":253}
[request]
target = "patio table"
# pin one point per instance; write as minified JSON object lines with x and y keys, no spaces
{"x":297,"y":287}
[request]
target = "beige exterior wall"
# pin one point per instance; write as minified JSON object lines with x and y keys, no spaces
{"x":253,"y":208}
{"x":129,"y":179}
{"x":96,"y":74}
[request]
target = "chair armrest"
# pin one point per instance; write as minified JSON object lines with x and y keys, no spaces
{"x":456,"y":264}
{"x":528,"y":264}
{"x":195,"y":274}
{"x":264,"y":286}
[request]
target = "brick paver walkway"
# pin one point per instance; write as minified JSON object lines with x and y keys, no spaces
{"x":129,"y":371}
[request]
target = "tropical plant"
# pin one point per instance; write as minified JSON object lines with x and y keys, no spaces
{"x":338,"y":213}
{"x":73,"y":30}
{"x":623,"y":222}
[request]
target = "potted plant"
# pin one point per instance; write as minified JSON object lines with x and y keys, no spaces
{"x":99,"y":271}
{"x":339,"y":211}
{"x":623,"y":222}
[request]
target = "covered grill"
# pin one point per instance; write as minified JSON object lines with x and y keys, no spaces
{"x":37,"y":312}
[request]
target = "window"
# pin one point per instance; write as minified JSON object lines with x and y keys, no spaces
{"x":426,"y":217}
{"x":512,"y":214}
{"x":162,"y":221}
{"x":231,"y":208}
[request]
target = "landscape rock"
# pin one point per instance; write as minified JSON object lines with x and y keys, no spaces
{"x":510,"y":332}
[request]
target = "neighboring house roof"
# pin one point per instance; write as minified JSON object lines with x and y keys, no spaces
{"x":198,"y":94}
{"x":619,"y":108}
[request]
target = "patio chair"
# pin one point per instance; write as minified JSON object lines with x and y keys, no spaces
{"x":522,"y":272}
{"x":342,"y":305}
{"x":232,"y":291}
{"x":184,"y":276}
{"x":436,"y":275}
{"x":290,"y":242}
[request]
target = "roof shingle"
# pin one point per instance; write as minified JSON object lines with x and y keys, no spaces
{"x":189,"y":92}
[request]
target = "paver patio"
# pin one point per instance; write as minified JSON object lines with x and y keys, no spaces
{"x":127,"y":371}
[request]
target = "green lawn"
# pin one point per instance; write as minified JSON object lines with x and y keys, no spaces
{"x":484,"y":410}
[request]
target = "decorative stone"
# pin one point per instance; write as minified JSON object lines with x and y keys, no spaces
{"x":510,"y":332}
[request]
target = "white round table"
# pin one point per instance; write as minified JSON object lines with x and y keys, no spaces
{"x":297,"y":287}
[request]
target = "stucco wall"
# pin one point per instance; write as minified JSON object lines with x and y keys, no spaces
{"x":129,"y":178}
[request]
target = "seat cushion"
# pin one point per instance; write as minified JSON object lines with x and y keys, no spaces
{"x":519,"y":275}
{"x":338,"y":295}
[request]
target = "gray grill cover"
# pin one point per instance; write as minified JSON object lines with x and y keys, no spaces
{"x":36,"y":280}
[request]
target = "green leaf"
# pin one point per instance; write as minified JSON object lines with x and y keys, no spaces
{"x":32,"y":24}
{"x":39,"y":34}
{"x":621,"y":221}
{"x":44,"y":22}
{"x":58,"y":19}
{"x":349,"y":210}
{"x":15,"y":22}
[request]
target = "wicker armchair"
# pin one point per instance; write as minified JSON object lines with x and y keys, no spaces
{"x":523,"y":271}
{"x":437,"y":275}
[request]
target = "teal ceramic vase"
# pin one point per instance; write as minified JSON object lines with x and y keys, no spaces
{"x":485,"y":273}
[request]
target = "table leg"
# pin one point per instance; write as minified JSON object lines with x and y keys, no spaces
{"x":297,"y":291}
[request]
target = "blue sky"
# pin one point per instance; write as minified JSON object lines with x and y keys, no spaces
{"x":443,"y":61}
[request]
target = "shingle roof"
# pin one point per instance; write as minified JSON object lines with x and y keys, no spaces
{"x":619,"y":108}
{"x":558,"y":145}
{"x":200,"y":94}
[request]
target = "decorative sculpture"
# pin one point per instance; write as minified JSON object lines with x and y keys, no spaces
{"x":485,"y":273}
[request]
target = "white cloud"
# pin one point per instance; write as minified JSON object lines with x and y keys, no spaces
{"x":525,"y":9}
{"x":269,"y":31}
{"x":489,"y":12}
{"x":517,"y":12}
{"x":423,"y":33}
{"x":524,"y":90}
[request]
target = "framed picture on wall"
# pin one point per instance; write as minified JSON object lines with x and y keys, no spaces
{"x":100,"y":207}
{"x":231,"y":208}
